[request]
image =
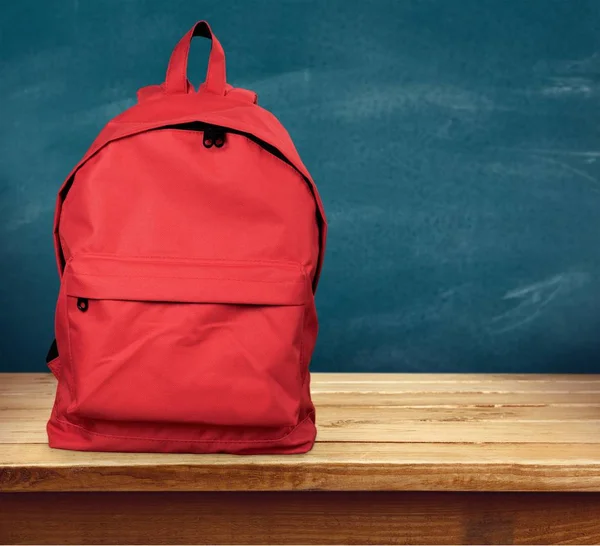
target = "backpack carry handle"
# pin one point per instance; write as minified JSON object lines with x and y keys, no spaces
{"x":176,"y":80}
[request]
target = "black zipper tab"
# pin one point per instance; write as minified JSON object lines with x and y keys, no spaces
{"x":219,"y":137}
{"x":208,"y":138}
{"x":83,"y":304}
{"x":213,"y":136}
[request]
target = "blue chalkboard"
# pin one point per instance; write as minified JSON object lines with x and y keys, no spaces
{"x":456,"y":146}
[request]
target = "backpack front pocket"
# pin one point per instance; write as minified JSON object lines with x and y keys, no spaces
{"x":186,"y":341}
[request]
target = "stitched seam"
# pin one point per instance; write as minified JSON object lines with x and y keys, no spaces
{"x":63,"y":243}
{"x":233,"y":263}
{"x":187,"y":441}
{"x":302,"y":372}
{"x":285,"y":164}
{"x":68,"y":325}
{"x":196,"y":133}
{"x":217,"y":120}
{"x":183,"y":278}
{"x":57,"y":399}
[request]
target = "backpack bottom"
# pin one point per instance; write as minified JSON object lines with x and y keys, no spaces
{"x":63,"y":434}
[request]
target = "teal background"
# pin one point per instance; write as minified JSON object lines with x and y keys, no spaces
{"x":455,"y":144}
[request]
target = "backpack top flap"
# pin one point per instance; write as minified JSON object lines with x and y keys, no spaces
{"x":176,"y":102}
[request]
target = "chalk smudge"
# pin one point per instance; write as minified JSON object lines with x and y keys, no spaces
{"x":578,"y":172}
{"x":533,"y":299}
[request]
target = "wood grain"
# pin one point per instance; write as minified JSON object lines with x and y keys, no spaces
{"x":329,"y":467}
{"x":299,"y":518}
{"x":419,"y":459}
{"x":381,"y":426}
{"x":391,"y":444}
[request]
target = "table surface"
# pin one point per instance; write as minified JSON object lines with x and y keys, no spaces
{"x":376,"y":432}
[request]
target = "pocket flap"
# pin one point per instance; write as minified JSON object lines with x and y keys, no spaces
{"x":186,"y":280}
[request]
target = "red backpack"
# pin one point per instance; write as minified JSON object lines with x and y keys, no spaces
{"x":189,"y":241}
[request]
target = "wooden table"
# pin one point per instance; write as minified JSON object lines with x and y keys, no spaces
{"x":418,"y":459}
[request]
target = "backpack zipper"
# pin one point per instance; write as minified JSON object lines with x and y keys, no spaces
{"x":215,"y":135}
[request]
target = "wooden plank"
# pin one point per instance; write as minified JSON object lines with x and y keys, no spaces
{"x":453,"y":399}
{"x":299,"y":518}
{"x":453,"y":378}
{"x":388,"y":389}
{"x":333,"y":415}
{"x":26,"y":430}
{"x":329,"y":467}
{"x":338,"y":415}
{"x":16,"y":383}
{"x":325,"y":377}
{"x":581,"y":432}
{"x":498,"y":387}
{"x":40,"y":400}
{"x":323,"y":452}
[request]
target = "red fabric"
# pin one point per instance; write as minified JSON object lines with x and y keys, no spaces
{"x":216,"y":80}
{"x":186,"y":320}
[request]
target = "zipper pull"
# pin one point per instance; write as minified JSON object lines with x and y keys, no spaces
{"x":219,"y":137}
{"x":208,"y":138}
{"x":83,"y":304}
{"x":213,"y":136}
